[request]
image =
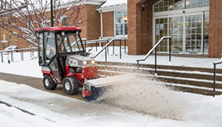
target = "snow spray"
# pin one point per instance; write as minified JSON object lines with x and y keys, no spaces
{"x":143,"y":94}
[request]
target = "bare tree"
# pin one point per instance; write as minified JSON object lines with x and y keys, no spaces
{"x":22,"y":17}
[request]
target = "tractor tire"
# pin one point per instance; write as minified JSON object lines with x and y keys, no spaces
{"x":71,"y":85}
{"x":48,"y":83}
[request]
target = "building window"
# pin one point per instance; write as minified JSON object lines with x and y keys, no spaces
{"x":196,"y":3}
{"x":206,"y":32}
{"x":120,"y":22}
{"x":9,"y":36}
{"x":168,"y":5}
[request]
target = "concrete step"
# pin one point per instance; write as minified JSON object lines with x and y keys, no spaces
{"x":167,"y":67}
{"x":164,"y":72}
{"x":194,"y":80}
{"x":204,"y":88}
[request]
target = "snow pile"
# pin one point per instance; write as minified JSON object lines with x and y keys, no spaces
{"x":146,"y":96}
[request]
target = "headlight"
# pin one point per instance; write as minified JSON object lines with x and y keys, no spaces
{"x":84,"y":62}
{"x":93,"y":61}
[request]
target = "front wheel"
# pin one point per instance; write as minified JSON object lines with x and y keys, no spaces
{"x":48,"y":83}
{"x":70,"y":85}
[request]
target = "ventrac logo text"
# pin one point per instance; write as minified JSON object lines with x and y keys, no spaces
{"x":72,"y":62}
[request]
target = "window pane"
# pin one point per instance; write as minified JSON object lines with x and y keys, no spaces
{"x":119,"y":29}
{"x":125,"y":21}
{"x":40,"y":40}
{"x":50,"y":46}
{"x":196,"y":3}
{"x":118,"y":17}
{"x":168,"y":5}
{"x":121,"y":21}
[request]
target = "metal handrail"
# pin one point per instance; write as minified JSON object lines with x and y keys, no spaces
{"x":104,"y":48}
{"x":214,"y":85}
{"x":154,"y":48}
{"x":22,"y":56}
{"x":19,"y":49}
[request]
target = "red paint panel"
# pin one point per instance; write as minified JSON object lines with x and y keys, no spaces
{"x":90,"y":72}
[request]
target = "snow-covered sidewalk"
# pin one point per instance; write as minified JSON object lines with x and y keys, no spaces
{"x":56,"y":110}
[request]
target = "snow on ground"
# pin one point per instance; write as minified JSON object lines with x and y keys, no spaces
{"x":28,"y":67}
{"x":153,"y":105}
{"x":55,"y":110}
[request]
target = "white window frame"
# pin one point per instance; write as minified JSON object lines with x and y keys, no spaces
{"x":114,"y":22}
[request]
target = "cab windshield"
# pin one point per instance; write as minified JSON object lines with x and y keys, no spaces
{"x":69,"y":42}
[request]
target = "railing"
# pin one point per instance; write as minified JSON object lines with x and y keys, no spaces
{"x":154,"y":48}
{"x":106,"y":48}
{"x":21,"y":53}
{"x":96,"y":42}
{"x":214,"y":85}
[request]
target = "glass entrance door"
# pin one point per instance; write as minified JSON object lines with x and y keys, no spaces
{"x":161,"y":29}
{"x":186,"y":32}
{"x":193,"y":34}
{"x":176,"y":32}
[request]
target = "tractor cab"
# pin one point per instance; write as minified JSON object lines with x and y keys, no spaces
{"x":62,"y":57}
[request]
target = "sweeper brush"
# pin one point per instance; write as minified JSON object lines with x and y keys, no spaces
{"x":93,"y":89}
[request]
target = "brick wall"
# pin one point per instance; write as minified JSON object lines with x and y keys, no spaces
{"x":215,"y":28}
{"x":108,"y":24}
{"x":93,"y":26}
{"x":11,"y":38}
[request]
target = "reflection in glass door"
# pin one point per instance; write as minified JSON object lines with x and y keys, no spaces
{"x":176,"y":32}
{"x":161,"y":29}
{"x":193,"y":34}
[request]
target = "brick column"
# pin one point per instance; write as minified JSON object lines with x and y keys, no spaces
{"x":133,"y":27}
{"x":215,"y":28}
{"x":140,"y":26}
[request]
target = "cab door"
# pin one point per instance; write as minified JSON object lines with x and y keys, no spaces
{"x":50,"y":55}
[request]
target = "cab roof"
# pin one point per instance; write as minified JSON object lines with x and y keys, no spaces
{"x":58,"y":29}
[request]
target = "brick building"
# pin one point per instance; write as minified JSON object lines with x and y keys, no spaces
{"x":195,"y":25}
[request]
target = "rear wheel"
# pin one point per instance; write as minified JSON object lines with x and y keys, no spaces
{"x":70,"y":85}
{"x":48,"y":83}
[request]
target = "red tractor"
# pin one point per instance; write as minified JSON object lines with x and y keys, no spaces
{"x":63,"y":59}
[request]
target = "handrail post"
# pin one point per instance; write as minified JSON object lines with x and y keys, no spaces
{"x":21,"y":53}
{"x":2,"y":57}
{"x":155,"y":61}
{"x":120,"y":49}
{"x":125,"y":46}
{"x":214,"y":86}
{"x":106,"y":58}
{"x":108,"y":48}
{"x":96,"y":45}
{"x":170,"y":49}
{"x":138,"y":64}
{"x":12,"y":59}
{"x":85,"y":44}
{"x":113,"y":48}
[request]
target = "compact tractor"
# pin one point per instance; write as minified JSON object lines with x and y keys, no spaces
{"x":63,"y":59}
